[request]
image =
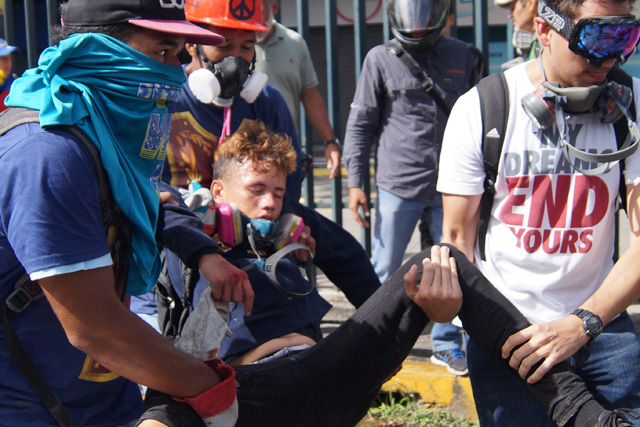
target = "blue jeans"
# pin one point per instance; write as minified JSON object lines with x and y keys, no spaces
{"x":446,"y":336}
{"x":395,"y":221}
{"x":608,"y":365}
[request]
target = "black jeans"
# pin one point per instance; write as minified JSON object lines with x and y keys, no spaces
{"x":334,"y":382}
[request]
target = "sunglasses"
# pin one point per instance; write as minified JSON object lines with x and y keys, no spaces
{"x":596,"y":38}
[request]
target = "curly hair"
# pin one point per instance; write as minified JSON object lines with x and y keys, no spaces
{"x":267,"y":151}
{"x":571,"y":7}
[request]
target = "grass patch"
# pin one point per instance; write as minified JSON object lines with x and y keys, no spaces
{"x":407,"y":410}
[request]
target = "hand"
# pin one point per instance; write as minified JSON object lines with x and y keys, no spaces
{"x":332,"y":154}
{"x":439,"y":294}
{"x":228,"y":283}
{"x":357,"y":198}
{"x":167,"y":197}
{"x":552,"y":341}
{"x":307,"y":240}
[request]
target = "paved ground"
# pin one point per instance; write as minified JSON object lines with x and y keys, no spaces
{"x":434,"y":384}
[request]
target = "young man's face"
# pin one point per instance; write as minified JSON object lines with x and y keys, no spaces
{"x":162,"y":47}
{"x":563,"y":66}
{"x":238,"y":43}
{"x":257,"y":194}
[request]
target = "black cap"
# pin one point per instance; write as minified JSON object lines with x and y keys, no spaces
{"x":160,"y":15}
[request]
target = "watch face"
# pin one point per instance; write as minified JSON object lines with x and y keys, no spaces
{"x":593,"y":325}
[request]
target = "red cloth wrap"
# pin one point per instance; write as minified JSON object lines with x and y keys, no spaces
{"x":219,"y":397}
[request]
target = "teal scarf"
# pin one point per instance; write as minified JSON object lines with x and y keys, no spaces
{"x":117,"y":96}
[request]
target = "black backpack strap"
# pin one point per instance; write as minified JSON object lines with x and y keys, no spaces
{"x":418,"y":73}
{"x":32,"y":374}
{"x":494,"y":108}
{"x":620,"y":126}
{"x":174,"y":309}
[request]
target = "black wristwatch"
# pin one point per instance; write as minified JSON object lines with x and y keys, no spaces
{"x":332,"y":141}
{"x":591,"y":323}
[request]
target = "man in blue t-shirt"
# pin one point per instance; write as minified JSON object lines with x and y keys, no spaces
{"x":111,"y":74}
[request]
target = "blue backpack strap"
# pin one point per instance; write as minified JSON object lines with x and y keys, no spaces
{"x":494,"y":108}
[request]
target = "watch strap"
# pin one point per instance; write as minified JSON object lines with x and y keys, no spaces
{"x":332,"y":141}
{"x":586,"y":315}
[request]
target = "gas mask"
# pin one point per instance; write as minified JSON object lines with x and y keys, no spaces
{"x":522,"y":40}
{"x":218,"y":83}
{"x":549,"y":104}
{"x":275,"y":238}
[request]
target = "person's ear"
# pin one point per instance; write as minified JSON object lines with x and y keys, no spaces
{"x":543,"y":31}
{"x":274,"y":7}
{"x":217,"y":191}
{"x":192,"y":49}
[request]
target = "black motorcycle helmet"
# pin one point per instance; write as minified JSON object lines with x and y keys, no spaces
{"x":407,"y":17}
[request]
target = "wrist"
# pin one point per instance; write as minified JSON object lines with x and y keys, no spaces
{"x":591,"y":323}
{"x":332,"y":141}
{"x":219,"y":397}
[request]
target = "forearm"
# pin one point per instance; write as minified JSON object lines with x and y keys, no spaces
{"x":620,"y":288}
{"x":460,"y":222}
{"x":180,"y":231}
{"x":316,"y":112}
{"x":97,"y":323}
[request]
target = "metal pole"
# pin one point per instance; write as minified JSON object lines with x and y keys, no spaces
{"x":333,"y":95}
{"x":360,"y":44}
{"x":359,"y":34}
{"x":30,"y":23}
{"x":8,"y":19}
{"x":306,"y":137}
{"x":481,"y":26}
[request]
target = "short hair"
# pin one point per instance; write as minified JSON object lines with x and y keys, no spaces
{"x":267,"y":151}
{"x":122,"y":32}
{"x":571,"y":7}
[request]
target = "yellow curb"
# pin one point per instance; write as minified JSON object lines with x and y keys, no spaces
{"x":436,"y":386}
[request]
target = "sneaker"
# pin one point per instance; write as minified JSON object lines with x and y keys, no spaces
{"x":453,"y":360}
{"x":618,"y":418}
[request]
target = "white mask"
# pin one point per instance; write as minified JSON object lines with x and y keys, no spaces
{"x":522,"y":39}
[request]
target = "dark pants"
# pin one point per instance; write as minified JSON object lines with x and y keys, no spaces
{"x":334,"y":382}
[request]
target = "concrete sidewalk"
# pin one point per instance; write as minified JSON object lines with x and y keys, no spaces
{"x":435,"y":385}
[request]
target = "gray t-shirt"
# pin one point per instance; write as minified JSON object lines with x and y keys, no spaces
{"x":286,"y":60}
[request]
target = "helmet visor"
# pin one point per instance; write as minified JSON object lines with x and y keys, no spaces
{"x":417,"y":16}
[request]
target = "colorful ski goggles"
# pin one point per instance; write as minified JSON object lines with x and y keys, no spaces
{"x":597,"y":38}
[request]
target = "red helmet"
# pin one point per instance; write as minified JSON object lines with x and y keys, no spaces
{"x":235,"y":14}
